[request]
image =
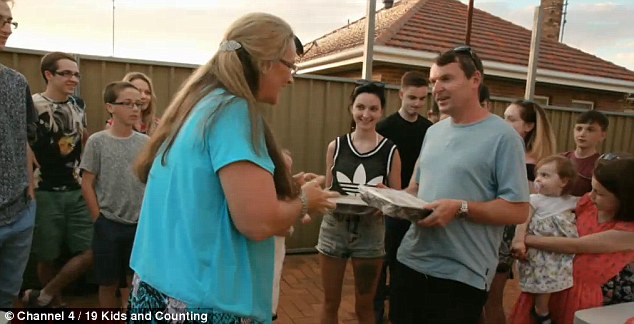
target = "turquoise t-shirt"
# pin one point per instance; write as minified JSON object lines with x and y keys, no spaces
{"x":186,"y":245}
{"x":483,"y":161}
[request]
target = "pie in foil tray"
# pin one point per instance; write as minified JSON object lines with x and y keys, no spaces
{"x":352,"y":205}
{"x":394,"y":203}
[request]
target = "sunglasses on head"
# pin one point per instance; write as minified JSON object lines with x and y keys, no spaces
{"x":367,"y":85}
{"x":464,"y":49}
{"x":361,"y":83}
{"x":609,"y":156}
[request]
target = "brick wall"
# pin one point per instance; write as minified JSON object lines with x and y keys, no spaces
{"x":510,"y":88}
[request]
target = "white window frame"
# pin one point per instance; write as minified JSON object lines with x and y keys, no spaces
{"x":588,"y":104}
{"x":542,"y":100}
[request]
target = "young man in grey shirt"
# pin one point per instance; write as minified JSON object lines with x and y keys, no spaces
{"x":112,"y":192}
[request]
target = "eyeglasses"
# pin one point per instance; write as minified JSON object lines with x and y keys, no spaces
{"x":129,"y":105}
{"x":289,"y":65}
{"x":468,"y":50}
{"x":4,"y":22}
{"x":609,"y":156}
{"x":68,"y":74}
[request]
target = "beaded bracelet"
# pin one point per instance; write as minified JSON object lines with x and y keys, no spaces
{"x":304,"y":199}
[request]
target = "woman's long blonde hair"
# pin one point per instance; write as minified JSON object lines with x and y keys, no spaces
{"x":540,"y":141}
{"x":149,"y":114}
{"x":264,"y":38}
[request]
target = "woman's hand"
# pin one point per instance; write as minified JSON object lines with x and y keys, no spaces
{"x":303,"y":177}
{"x":306,"y":219}
{"x":318,"y":198}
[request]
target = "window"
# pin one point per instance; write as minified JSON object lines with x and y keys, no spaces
{"x":541,"y":100}
{"x":583,"y":104}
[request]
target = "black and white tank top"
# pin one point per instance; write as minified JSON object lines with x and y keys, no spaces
{"x":351,"y":168}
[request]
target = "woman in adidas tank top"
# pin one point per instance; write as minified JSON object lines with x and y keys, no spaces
{"x":361,"y":157}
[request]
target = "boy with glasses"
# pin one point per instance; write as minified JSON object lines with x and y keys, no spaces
{"x":62,"y":219}
{"x":17,"y":205}
{"x":113,"y":194}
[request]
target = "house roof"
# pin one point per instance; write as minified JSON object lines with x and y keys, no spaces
{"x":433,"y":26}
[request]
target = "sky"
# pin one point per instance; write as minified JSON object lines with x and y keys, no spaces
{"x":188,"y":31}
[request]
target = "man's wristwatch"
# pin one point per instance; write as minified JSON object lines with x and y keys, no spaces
{"x":464,"y":209}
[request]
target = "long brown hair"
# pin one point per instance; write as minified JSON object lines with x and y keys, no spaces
{"x":264,"y":38}
{"x":540,"y":141}
{"x":149,"y":114}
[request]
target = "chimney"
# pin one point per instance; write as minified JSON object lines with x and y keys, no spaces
{"x":388,"y":3}
{"x":553,"y":11}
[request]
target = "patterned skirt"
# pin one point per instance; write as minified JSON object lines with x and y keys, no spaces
{"x":148,"y":305}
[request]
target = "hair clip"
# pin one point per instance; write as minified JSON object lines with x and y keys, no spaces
{"x":229,"y":46}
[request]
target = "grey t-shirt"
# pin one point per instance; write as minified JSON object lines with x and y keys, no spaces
{"x":476,"y":162}
{"x":119,"y":191}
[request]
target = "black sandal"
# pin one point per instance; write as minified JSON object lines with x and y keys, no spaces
{"x":541,"y":319}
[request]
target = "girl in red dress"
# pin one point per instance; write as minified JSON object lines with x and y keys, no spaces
{"x":605,"y":222}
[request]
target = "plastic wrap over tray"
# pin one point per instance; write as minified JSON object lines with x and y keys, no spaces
{"x":352,"y":205}
{"x":394,"y":203}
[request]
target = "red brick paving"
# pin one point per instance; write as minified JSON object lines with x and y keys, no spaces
{"x":301,"y":297}
{"x":301,"y":293}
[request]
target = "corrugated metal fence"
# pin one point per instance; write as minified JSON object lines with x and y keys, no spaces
{"x":311,"y":113}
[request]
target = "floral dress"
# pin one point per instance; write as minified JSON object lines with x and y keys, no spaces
{"x":544,"y":271}
{"x":590,"y":271}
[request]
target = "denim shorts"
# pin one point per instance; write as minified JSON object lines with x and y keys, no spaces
{"x":352,"y":236}
{"x":15,"y":246}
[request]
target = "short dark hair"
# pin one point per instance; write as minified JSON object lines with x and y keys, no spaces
{"x":617,"y":176}
{"x":468,"y":61}
{"x":113,"y":89}
{"x":484,"y":94}
{"x":565,"y":170}
{"x":49,"y":62}
{"x":593,"y":116}
{"x":414,"y":79}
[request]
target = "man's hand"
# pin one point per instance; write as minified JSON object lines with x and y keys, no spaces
{"x":444,"y":212}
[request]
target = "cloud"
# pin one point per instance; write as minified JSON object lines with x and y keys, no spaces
{"x":626,"y":59}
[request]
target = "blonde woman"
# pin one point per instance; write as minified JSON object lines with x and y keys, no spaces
{"x":148,"y":122}
{"x":530,"y":121}
{"x":217,"y":187}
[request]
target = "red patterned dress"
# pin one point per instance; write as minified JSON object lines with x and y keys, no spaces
{"x":590,"y":271}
